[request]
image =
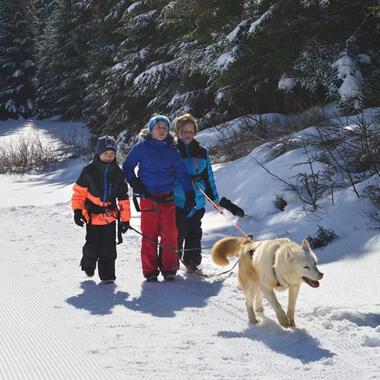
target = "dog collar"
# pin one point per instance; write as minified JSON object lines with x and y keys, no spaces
{"x":280,"y":281}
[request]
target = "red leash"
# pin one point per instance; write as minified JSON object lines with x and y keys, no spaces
{"x":221,"y":211}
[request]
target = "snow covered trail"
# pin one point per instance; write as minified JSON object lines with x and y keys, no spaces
{"x":55,"y":323}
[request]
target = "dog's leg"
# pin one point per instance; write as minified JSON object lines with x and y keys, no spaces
{"x":293,"y":294}
{"x":249,"y":299}
{"x":259,"y":302}
{"x":280,"y":313}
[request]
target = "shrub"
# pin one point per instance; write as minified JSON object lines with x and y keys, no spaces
{"x":321,"y":238}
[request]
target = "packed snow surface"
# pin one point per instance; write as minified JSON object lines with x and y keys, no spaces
{"x":57,"y":324}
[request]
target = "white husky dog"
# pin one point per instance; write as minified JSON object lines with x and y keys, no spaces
{"x":267,"y":265}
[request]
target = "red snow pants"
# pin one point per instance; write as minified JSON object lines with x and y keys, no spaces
{"x":158,"y":220}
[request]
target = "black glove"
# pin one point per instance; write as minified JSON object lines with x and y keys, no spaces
{"x":190,"y":201}
{"x":79,"y":219}
{"x":232,"y":208}
{"x":124,"y":226}
{"x":138,"y":186}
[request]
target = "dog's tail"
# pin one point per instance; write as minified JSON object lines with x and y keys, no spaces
{"x":225,"y":248}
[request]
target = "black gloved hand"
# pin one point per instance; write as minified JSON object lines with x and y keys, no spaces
{"x":79,"y":219}
{"x":124,"y":226}
{"x":190,"y":201}
{"x":231,"y":207}
{"x":138,"y":186}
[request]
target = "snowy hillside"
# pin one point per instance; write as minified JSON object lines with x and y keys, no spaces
{"x":57,"y":324}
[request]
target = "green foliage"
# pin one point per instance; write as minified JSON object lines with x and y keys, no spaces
{"x":114,"y":63}
{"x":16,"y":60}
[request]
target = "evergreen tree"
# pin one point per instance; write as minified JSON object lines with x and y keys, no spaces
{"x":140,"y":71}
{"x":62,"y":67}
{"x":197,"y":26}
{"x":103,"y":44}
{"x":41,"y":11}
{"x":339,"y":57}
{"x":219,"y":59}
{"x":114,"y":63}
{"x":16,"y":60}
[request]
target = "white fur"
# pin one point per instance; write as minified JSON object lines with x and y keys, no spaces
{"x":273,"y":264}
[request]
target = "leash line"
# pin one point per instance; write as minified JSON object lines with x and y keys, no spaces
{"x":166,"y":246}
{"x":197,"y":272}
{"x":221,"y":211}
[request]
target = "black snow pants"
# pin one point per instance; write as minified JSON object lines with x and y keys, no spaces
{"x":100,"y":247}
{"x":190,"y":235}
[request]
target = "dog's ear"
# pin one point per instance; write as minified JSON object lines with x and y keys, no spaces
{"x":305,"y":245}
{"x":289,"y":254}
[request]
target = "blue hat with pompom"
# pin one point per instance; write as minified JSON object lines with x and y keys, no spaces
{"x":105,"y":143}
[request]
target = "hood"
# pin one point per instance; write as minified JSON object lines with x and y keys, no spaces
{"x":145,"y":135}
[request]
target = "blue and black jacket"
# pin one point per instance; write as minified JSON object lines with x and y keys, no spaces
{"x":198,"y":165}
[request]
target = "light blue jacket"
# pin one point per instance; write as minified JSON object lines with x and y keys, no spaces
{"x":198,"y":166}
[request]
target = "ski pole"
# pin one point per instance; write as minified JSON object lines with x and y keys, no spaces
{"x":221,"y":211}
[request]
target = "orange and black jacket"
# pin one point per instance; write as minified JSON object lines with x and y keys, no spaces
{"x":96,"y":191}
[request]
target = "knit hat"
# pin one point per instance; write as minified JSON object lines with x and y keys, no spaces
{"x":153,"y":121}
{"x":105,"y":143}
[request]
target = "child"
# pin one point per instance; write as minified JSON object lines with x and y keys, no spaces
{"x":94,"y":203}
{"x":159,"y":166}
{"x":198,"y":165}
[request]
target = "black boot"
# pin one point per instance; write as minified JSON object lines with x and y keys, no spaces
{"x":151,"y":278}
{"x":88,"y":271}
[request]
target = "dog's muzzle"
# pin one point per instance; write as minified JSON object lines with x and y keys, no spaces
{"x":313,"y":283}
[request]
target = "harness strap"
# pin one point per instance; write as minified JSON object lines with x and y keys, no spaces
{"x":119,"y":234}
{"x":136,"y":203}
{"x":162,"y":198}
{"x":93,"y":208}
{"x":280,"y":280}
{"x":197,"y":178}
{"x":202,"y":175}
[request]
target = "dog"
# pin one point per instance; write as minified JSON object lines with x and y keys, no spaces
{"x":268,"y":265}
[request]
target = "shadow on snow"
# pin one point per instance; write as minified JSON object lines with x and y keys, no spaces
{"x":98,"y":299}
{"x":164,"y":299}
{"x":296,"y":343}
{"x":160,"y":299}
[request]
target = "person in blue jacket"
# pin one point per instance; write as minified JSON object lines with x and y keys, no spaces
{"x":159,"y":167}
{"x":198,"y":165}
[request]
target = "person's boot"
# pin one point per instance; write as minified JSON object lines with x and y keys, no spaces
{"x":105,"y":282}
{"x":89,"y":271}
{"x":169,"y":276}
{"x":191,"y":268}
{"x":151,"y":278}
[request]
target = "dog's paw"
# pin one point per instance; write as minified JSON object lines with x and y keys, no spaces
{"x":259,"y":309}
{"x":292,"y":323}
{"x":254,"y":321}
{"x":284,"y":321}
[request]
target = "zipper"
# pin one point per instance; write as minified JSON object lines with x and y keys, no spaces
{"x":105,"y":185}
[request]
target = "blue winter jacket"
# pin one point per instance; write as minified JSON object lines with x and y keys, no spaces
{"x":198,"y":165}
{"x":159,"y":166}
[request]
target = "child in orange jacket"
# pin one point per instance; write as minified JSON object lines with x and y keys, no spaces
{"x":94,"y":203}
